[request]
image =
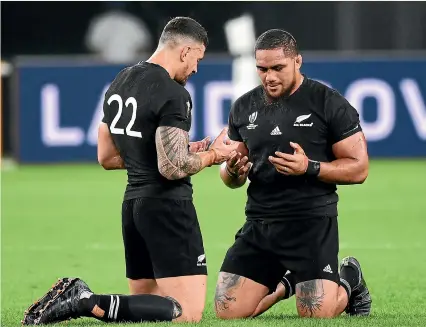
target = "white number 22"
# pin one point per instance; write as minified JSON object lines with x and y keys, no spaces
{"x":132,"y":101}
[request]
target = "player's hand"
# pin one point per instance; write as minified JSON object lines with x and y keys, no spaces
{"x":238,"y":166}
{"x":222,"y":147}
{"x":199,"y":146}
{"x":290,"y":164}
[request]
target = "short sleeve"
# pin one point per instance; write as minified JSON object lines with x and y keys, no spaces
{"x":105,"y":116}
{"x":233,"y":133}
{"x":176,"y":112}
{"x":343,"y":119}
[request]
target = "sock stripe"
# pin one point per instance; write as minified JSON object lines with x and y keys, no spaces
{"x":116,"y":307}
{"x":287,"y":285}
{"x":111,"y":307}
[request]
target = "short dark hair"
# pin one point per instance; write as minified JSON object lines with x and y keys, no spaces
{"x":184,"y":27}
{"x":275,"y":39}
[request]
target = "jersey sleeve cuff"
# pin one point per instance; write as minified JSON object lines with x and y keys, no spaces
{"x":174,"y":121}
{"x":351,"y":131}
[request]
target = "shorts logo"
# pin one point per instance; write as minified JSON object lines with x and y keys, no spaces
{"x":328,"y":269}
{"x":299,"y":119}
{"x":252,"y":119}
{"x":201,"y":261}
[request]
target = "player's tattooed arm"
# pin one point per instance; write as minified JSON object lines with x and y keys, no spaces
{"x":310,"y":297}
{"x":175,"y":161}
{"x":225,"y":290}
{"x":108,"y":156}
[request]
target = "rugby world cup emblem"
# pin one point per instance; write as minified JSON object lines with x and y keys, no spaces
{"x":252,"y":119}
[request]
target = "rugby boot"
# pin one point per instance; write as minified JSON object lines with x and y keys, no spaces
{"x":60,"y":303}
{"x":360,"y":299}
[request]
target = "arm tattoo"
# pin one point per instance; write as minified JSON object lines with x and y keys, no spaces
{"x":174,"y":159}
{"x":310,"y":296}
{"x":224,"y":290}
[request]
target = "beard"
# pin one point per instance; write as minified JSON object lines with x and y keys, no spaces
{"x":183,"y":78}
{"x":285,"y":92}
{"x":181,"y":82}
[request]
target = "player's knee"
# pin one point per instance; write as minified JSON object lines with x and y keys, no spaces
{"x":223,"y":314}
{"x":226,"y":304}
{"x":196,"y":316}
{"x":222,"y":309}
{"x":190,"y":312}
{"x":323,"y":313}
{"x":196,"y":313}
{"x":190,"y":316}
{"x":230,"y":312}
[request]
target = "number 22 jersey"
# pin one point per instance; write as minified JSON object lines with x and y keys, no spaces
{"x":140,"y":99}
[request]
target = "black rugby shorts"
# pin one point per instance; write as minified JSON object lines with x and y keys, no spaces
{"x":162,"y":238}
{"x":263,"y":251}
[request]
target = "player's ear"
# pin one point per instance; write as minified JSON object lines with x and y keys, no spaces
{"x":299,"y":61}
{"x":184,"y":53}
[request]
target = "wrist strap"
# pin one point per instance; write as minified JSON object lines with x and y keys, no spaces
{"x":313,"y":168}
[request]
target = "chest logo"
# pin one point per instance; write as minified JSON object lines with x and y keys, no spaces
{"x":252,"y":119}
{"x":301,"y":119}
{"x":276,"y":131}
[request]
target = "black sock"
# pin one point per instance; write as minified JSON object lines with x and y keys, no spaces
{"x":349,"y":278}
{"x":289,"y":284}
{"x":130,"y":308}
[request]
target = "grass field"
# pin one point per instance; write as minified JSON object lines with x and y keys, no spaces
{"x":65,"y":221}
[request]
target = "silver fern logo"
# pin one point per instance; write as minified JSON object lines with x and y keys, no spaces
{"x":201,"y":260}
{"x":302,"y":118}
{"x":252,"y":119}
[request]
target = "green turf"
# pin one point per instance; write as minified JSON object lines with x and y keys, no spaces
{"x":65,"y":221}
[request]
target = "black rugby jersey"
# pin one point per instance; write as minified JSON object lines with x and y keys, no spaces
{"x":140,"y":99}
{"x":314,"y":116}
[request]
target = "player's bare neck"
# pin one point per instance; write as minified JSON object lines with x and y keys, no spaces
{"x":160,"y":58}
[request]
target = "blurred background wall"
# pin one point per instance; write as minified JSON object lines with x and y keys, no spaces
{"x":58,"y":58}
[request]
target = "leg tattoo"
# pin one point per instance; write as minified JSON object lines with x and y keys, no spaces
{"x":310,"y":296}
{"x":224,"y":291}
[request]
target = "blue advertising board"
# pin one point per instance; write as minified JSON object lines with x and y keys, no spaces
{"x":59,"y":106}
